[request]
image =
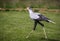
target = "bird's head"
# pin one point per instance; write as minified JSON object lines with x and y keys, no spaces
{"x":29,"y":8}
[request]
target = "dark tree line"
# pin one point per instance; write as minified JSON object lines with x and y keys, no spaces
{"x":33,"y":3}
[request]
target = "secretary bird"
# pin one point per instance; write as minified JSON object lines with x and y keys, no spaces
{"x":37,"y":17}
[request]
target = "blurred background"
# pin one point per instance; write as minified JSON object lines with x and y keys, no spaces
{"x":15,"y":22}
{"x":52,"y":4}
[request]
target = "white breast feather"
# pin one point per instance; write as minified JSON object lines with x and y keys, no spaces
{"x":34,"y":16}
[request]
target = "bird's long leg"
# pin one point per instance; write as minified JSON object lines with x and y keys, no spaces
{"x":35,"y":24}
{"x":45,"y":33}
{"x":29,"y":34}
{"x":43,"y":29}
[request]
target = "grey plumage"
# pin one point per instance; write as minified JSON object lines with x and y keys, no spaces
{"x":37,"y":17}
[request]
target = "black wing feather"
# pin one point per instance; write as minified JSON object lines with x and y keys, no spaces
{"x":42,"y":17}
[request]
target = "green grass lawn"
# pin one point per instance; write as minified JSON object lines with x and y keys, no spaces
{"x":15,"y":26}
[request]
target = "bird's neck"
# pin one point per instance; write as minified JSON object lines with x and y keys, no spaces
{"x":30,"y":11}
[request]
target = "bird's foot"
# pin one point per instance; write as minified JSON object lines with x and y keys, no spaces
{"x":45,"y":37}
{"x":27,"y":36}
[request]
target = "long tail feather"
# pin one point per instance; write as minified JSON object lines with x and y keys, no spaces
{"x":52,"y":21}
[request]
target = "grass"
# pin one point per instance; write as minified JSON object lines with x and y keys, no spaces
{"x":15,"y":25}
